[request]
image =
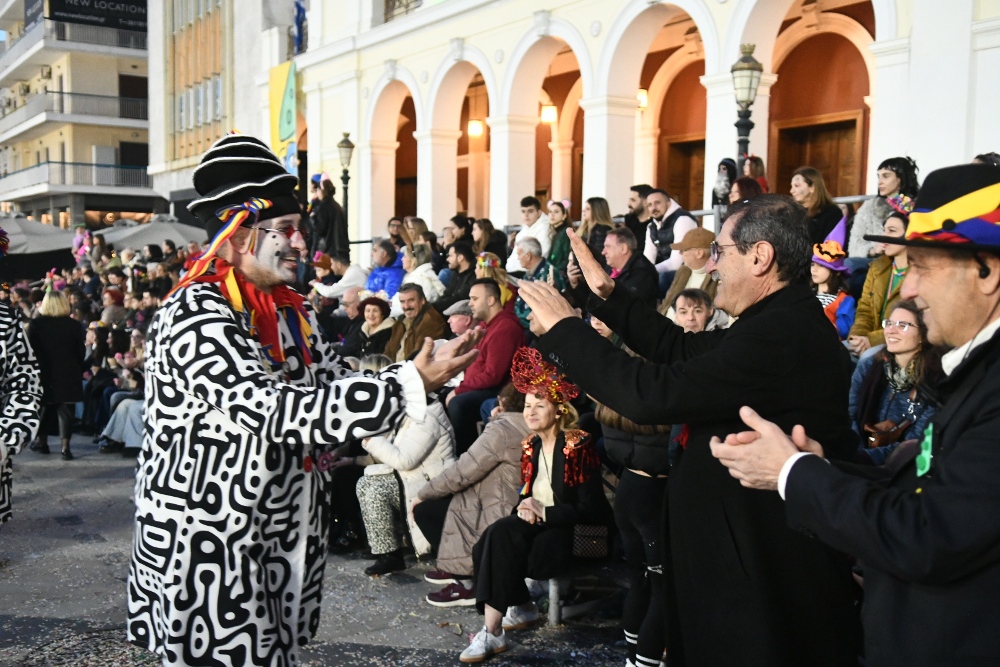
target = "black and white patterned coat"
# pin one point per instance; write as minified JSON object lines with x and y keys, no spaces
{"x":20,"y":398}
{"x":232,"y":489}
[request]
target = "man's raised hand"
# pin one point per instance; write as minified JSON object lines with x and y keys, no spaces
{"x":548,"y":307}
{"x":436,"y":368}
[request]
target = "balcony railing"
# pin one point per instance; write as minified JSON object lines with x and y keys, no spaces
{"x":75,"y":103}
{"x":395,"y":8}
{"x":75,"y":173}
{"x":11,"y":50}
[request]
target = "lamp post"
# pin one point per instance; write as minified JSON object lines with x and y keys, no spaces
{"x":346,"y":148}
{"x":746,"y":78}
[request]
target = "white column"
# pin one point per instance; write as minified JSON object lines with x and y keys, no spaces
{"x":720,"y":133}
{"x":512,"y":166}
{"x":985,"y":84}
{"x":562,"y":168}
{"x":609,"y":147}
{"x":437,"y":177}
{"x":376,"y":187}
{"x":647,"y":152}
{"x":888,"y":134}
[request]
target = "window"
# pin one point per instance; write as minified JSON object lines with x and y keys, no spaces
{"x":199,"y":106}
{"x":190,"y":104}
{"x":218,"y":97}
{"x":181,"y":117}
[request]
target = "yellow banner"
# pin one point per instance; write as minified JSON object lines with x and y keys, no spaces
{"x":283,"y":97}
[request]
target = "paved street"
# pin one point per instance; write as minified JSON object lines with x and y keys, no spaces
{"x":64,"y":563}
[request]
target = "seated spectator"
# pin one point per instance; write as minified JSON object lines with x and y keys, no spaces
{"x":694,"y":311}
{"x":458,"y":229}
{"x":438,"y":259}
{"x":113,"y":437}
{"x":419,"y":271}
{"x":415,"y":227}
{"x":668,"y":224}
{"x":377,"y":327}
{"x":461,"y":263}
{"x":629,"y":268}
{"x":410,"y":455}
{"x":885,"y":277}
{"x":694,"y":250}
{"x":460,"y":317}
{"x":885,"y":405}
{"x":351,"y":275}
{"x":385,"y":276}
{"x":420,"y":320}
{"x":595,"y":223}
{"x":112,"y":300}
{"x":744,"y":187}
{"x":829,"y":277}
{"x":488,"y":266}
{"x":559,"y":250}
{"x":753,"y":167}
{"x":455,"y":508}
{"x":487,"y":239}
{"x":491,"y":368}
{"x":395,"y":227}
{"x":529,"y":253}
{"x":347,"y":329}
{"x":560,"y":473}
{"x":534,"y":223}
{"x":809,"y":189}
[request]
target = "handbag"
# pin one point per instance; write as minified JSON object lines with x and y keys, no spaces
{"x":886,"y":432}
{"x":590,"y":541}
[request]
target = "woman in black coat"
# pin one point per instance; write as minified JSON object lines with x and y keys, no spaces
{"x":57,"y":340}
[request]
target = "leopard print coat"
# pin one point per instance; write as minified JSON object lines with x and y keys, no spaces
{"x":20,"y":398}
{"x":232,"y":487}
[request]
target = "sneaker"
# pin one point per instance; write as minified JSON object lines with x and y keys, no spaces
{"x":521,"y":617}
{"x":483,"y":645}
{"x":453,"y":595}
{"x":442,"y":578}
{"x":386,"y":564}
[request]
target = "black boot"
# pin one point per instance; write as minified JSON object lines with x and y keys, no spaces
{"x":387,"y":564}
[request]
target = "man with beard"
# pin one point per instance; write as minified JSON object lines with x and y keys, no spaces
{"x":745,"y":588}
{"x":245,"y":402}
{"x":638,"y":214}
{"x":668,"y":224}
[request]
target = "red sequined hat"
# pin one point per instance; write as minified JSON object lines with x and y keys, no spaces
{"x":532,"y":375}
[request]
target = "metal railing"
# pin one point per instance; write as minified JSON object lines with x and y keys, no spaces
{"x":396,"y":8}
{"x":75,"y":173}
{"x":75,"y":103}
{"x":11,"y":50}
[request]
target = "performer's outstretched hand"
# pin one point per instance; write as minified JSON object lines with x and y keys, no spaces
{"x":452,"y":358}
{"x":597,"y":278}
{"x":548,"y":307}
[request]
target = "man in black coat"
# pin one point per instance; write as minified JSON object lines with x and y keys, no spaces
{"x":462,"y":262}
{"x":745,"y":588}
{"x":927,"y":524}
{"x":629,"y":268}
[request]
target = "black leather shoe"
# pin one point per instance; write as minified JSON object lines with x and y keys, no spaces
{"x":67,"y":455}
{"x":40,"y":447}
{"x":386,"y":564}
{"x":111,"y":447}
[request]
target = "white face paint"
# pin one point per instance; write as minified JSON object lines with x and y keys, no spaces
{"x":273,"y":260}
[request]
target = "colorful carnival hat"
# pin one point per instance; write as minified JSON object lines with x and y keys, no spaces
{"x":830,"y":253}
{"x":532,"y":375}
{"x":901,"y":205}
{"x":958,"y":208}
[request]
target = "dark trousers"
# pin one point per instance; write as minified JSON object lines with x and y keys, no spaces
{"x":639,"y":515}
{"x":512,"y":549}
{"x":430,"y":516}
{"x":344,"y":499}
{"x":464,"y":414}
{"x":64,"y":412}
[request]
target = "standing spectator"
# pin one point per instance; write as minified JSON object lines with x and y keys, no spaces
{"x":420,"y":320}
{"x":559,"y":222}
{"x":487,"y":239}
{"x":629,"y":268}
{"x":454,"y":508}
{"x":829,"y":277}
{"x":461,"y":263}
{"x":491,"y":369}
{"x":595,"y":223}
{"x":329,"y":223}
{"x":809,"y":189}
{"x":57,"y":341}
{"x":529,"y":252}
{"x":535,"y":224}
{"x":80,"y":235}
{"x":668,"y":224}
{"x":725,"y":176}
{"x":637,"y":218}
{"x":886,"y":407}
{"x":694,"y":250}
{"x":744,"y":187}
{"x":377,"y":327}
{"x":885,"y":277}
{"x":385,"y":275}
{"x":753,"y":167}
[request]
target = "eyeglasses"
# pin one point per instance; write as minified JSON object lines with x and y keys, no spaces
{"x":902,"y":326}
{"x":715,"y":249}
{"x":289,"y":231}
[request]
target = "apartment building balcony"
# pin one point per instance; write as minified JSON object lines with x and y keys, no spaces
{"x":47,"y":40}
{"x":36,"y":116}
{"x":397,"y":8}
{"x":56,"y":178}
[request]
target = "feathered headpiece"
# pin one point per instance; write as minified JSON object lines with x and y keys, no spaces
{"x":487,"y":259}
{"x":532,"y":375}
{"x":901,"y":204}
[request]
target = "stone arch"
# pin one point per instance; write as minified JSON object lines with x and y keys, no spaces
{"x":452,"y":79}
{"x":837,"y":24}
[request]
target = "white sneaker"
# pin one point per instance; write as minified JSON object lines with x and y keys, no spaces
{"x":517,"y":618}
{"x":483,"y":645}
{"x":536,"y":588}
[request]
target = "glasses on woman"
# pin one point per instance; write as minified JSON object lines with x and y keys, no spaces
{"x":715,"y":249}
{"x":897,"y":324}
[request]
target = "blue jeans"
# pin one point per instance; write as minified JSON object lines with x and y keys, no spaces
{"x":666,"y":278}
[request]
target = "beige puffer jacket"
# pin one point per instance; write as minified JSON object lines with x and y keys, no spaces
{"x":485,"y":482}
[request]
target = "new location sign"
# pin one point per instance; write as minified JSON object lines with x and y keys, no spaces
{"x":124,"y":14}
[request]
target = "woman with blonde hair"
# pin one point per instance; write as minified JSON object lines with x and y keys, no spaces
{"x":595,"y":223}
{"x":489,"y":265}
{"x":809,"y":189}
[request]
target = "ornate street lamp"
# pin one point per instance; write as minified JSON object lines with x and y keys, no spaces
{"x":346,"y":148}
{"x":746,"y":78}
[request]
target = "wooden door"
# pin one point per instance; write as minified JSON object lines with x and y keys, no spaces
{"x":834,"y":148}
{"x":681,"y":170}
{"x":406,"y":197}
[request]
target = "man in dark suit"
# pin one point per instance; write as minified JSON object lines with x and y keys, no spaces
{"x":745,"y":588}
{"x":629,"y":268}
{"x":927,"y":524}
